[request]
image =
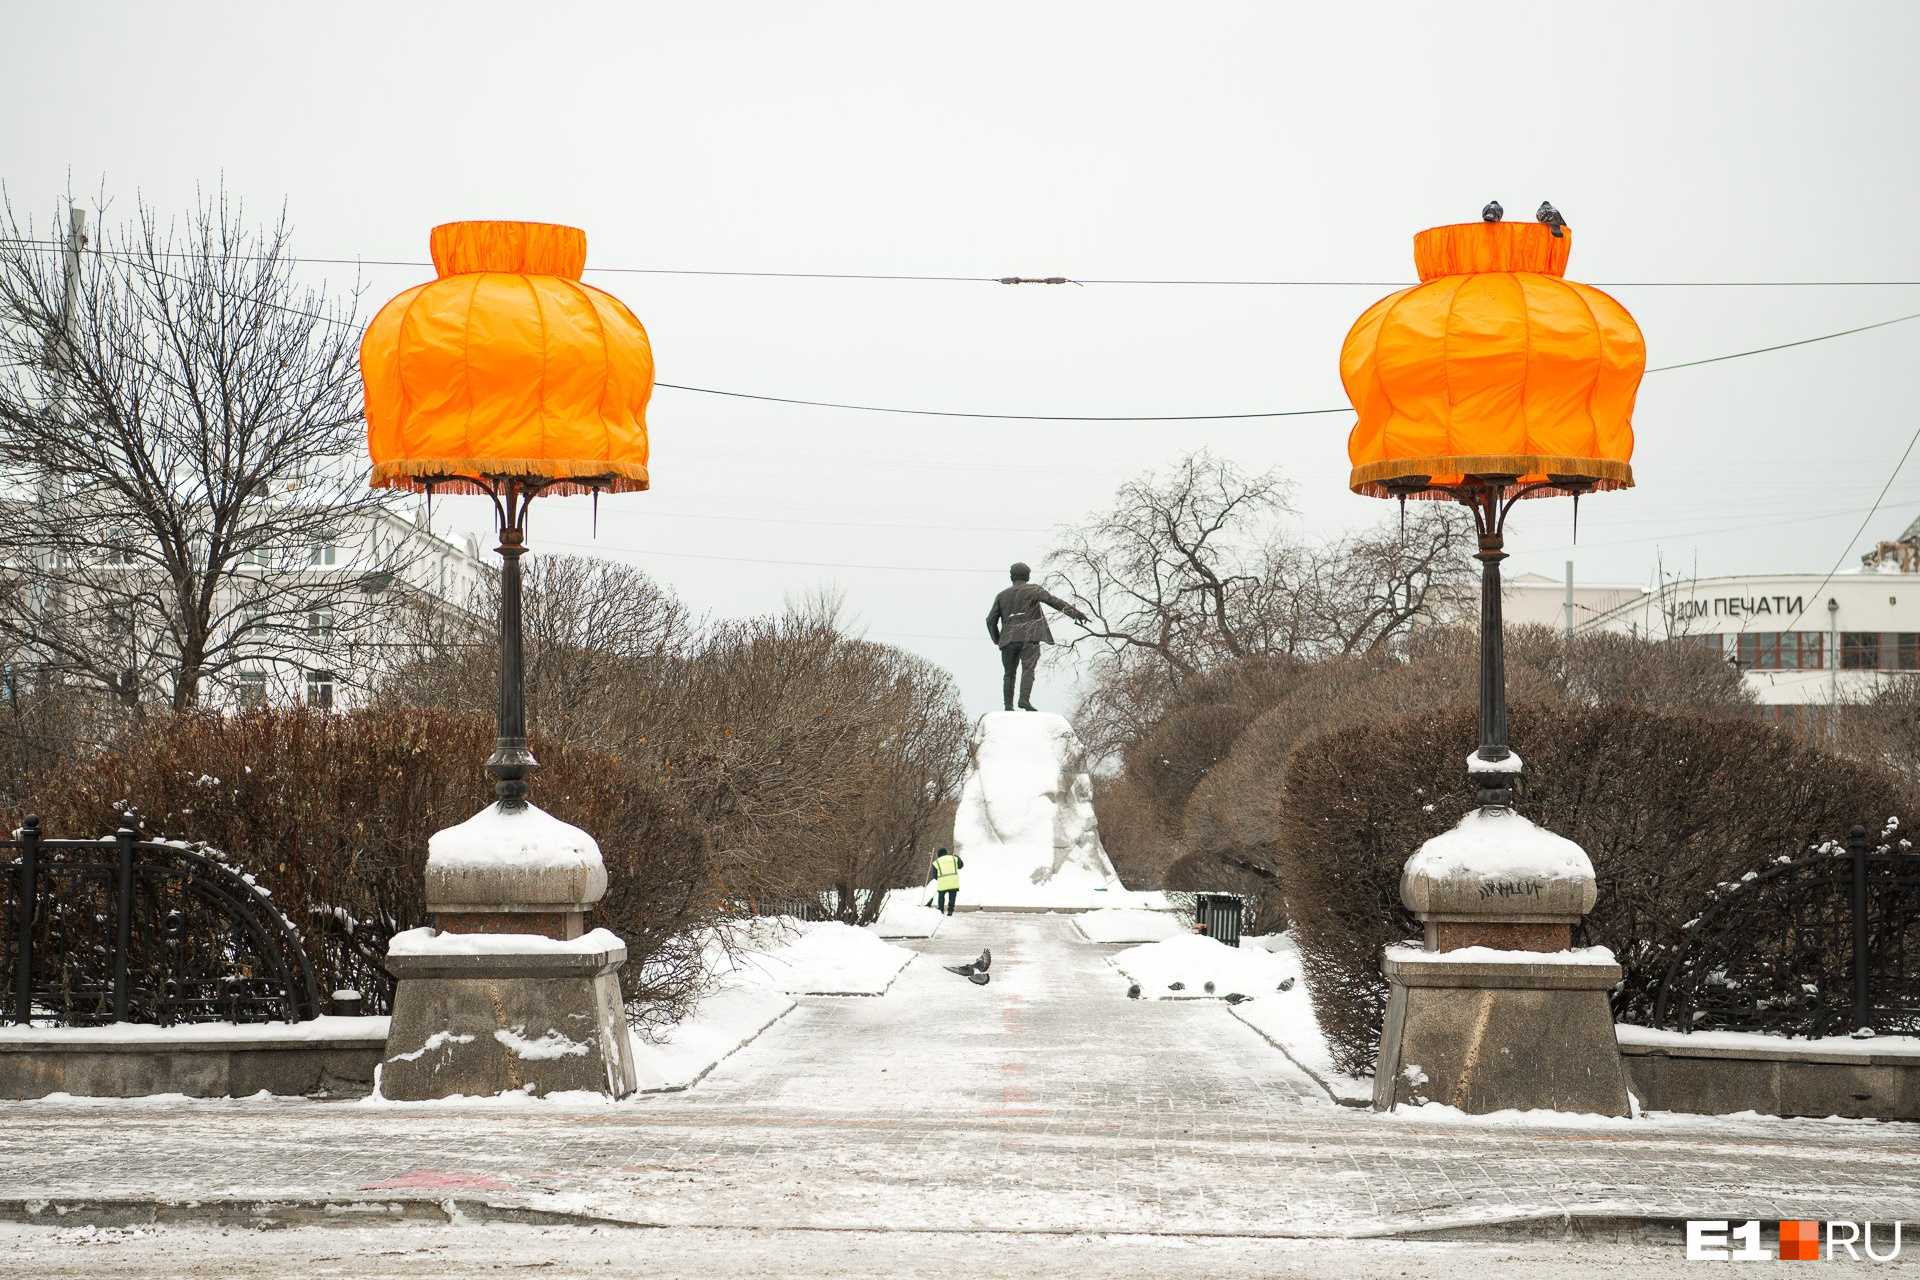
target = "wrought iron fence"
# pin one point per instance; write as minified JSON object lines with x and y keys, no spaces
{"x":1821,"y":944}
{"x":125,"y":929}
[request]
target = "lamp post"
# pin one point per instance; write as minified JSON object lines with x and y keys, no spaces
{"x":1495,"y":380}
{"x":506,"y":377}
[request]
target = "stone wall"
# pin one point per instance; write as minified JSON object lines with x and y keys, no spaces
{"x":335,"y":1056}
{"x":1714,"y":1073}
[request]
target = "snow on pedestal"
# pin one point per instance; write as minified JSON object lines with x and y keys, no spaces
{"x":1497,"y":863}
{"x":524,"y":857}
{"x":1025,"y":825}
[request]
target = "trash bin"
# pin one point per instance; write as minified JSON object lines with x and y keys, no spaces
{"x":1217,"y":915}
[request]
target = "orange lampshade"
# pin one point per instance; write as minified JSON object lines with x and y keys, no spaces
{"x":507,"y":365}
{"x":1493,"y":365}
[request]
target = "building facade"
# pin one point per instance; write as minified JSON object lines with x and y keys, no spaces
{"x":1803,"y":642}
{"x":414,"y":579}
{"x":315,"y":625}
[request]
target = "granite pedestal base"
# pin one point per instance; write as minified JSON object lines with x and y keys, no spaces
{"x":500,"y":1021}
{"x":1495,"y":1035}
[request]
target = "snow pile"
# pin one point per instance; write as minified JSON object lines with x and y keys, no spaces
{"x":823,"y":959}
{"x":323,"y":1029}
{"x":1817,"y":1049}
{"x":433,"y":942}
{"x":528,"y":836}
{"x":1412,"y":953}
{"x":1285,"y":1020}
{"x":905,"y":914}
{"x":1496,"y":858}
{"x":1127,"y":924}
{"x":1025,"y":826}
{"x":1194,"y":961}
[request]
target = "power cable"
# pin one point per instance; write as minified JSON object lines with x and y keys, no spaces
{"x":1848,"y":548}
{"x":1038,"y":417}
{"x":806,"y":564}
{"x":914,"y":277}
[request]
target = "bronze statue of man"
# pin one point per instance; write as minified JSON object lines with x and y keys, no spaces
{"x":1018,"y":624}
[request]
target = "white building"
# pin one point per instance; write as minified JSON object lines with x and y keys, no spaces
{"x":395,"y":579}
{"x":1802,"y":640}
{"x":334,"y":662}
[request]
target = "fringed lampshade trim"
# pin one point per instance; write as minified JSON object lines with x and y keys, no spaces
{"x":464,"y":475}
{"x":1375,"y":479}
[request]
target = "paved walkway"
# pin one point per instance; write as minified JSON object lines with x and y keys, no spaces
{"x":1046,"y":1102}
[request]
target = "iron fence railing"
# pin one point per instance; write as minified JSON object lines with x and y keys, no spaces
{"x":1820,"y":944}
{"x":126,"y":929}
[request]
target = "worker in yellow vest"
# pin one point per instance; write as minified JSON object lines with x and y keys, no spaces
{"x":945,"y":873}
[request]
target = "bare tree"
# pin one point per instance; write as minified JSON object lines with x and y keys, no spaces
{"x":1190,"y":570}
{"x":1177,"y":571}
{"x":185,"y":421}
{"x":1368,"y":591}
{"x":598,"y":636}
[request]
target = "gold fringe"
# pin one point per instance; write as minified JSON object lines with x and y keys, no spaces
{"x":465,"y":475}
{"x":1601,"y":473}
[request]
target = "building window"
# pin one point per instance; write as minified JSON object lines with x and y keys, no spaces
{"x":1906,"y":648}
{"x":320,"y":690}
{"x":320,"y":624}
{"x":1783,"y":651}
{"x":323,"y":553}
{"x":1861,"y":651}
{"x":250,"y":689}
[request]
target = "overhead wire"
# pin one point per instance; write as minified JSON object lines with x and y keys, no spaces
{"x":1033,"y":417}
{"x":955,"y":278}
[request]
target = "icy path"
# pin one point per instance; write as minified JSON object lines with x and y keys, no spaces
{"x":1045,"y":1102}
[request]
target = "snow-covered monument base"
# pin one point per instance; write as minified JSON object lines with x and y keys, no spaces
{"x":510,"y":992}
{"x":1025,"y":825}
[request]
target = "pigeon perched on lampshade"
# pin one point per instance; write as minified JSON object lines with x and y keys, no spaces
{"x":1551,"y":216}
{"x":1492,"y":212}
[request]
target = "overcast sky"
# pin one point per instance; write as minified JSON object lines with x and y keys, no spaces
{"x":1247,"y":141}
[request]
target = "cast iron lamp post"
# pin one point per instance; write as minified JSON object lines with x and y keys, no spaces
{"x":507,"y":377}
{"x":1492,"y":380}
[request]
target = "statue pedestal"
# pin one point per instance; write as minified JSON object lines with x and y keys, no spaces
{"x":1025,"y":825}
{"x":1495,"y":1012}
{"x":510,"y":992}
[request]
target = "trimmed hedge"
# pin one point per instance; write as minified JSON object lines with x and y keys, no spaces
{"x":1667,"y":806}
{"x":332,"y":813}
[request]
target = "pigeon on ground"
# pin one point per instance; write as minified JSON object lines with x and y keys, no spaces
{"x":1235,"y":997}
{"x":1551,"y":216}
{"x":1493,"y":212}
{"x":1176,"y":986}
{"x":1286,"y":984}
{"x":1133,"y":992}
{"x":972,"y":967}
{"x":969,"y":972}
{"x":1209,"y":987}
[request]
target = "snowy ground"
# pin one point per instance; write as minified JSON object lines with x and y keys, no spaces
{"x":1122,"y":924}
{"x":416,"y":1252}
{"x":1044,"y":1124}
{"x":755,"y":984}
{"x":905,"y":914}
{"x":1191,"y":965}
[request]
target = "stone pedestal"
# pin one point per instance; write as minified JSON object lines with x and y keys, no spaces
{"x":1496,"y":1034}
{"x":1025,"y":825}
{"x":1495,"y":1012}
{"x":485,"y":1014}
{"x":509,"y":991}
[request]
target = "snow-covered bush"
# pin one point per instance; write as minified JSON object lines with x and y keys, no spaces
{"x":332,"y":812}
{"x":1667,"y":806}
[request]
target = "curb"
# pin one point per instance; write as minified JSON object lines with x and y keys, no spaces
{"x":290,"y":1212}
